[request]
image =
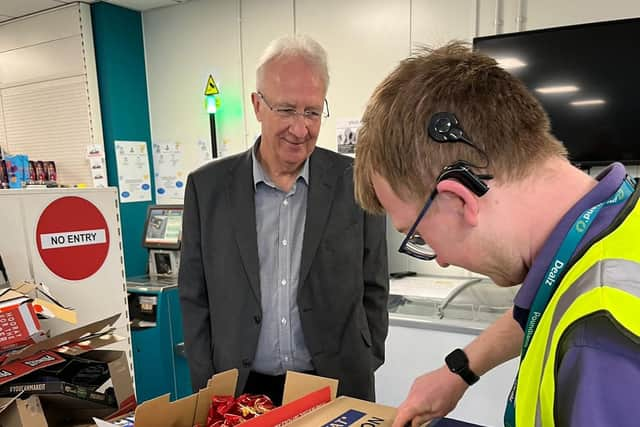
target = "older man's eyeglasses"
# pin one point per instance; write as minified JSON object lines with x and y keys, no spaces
{"x":288,"y":112}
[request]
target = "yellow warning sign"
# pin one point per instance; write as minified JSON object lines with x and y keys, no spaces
{"x":212,"y":88}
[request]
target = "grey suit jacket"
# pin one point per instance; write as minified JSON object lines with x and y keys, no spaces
{"x":343,"y":286}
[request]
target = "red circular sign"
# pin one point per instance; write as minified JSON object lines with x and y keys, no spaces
{"x":72,"y":238}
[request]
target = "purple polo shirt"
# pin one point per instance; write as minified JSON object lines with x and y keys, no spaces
{"x":598,"y":377}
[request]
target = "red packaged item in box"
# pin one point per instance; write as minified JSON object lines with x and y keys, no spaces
{"x":225,"y":411}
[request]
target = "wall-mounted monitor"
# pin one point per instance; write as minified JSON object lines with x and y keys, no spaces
{"x":163,"y":227}
{"x":586,"y":77}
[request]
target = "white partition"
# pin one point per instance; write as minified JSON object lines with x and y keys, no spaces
{"x":95,"y":285}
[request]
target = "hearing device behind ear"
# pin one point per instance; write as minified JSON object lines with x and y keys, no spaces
{"x":445,"y":127}
{"x":460,"y":171}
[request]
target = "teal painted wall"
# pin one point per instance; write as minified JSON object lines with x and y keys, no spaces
{"x":119,"y":49}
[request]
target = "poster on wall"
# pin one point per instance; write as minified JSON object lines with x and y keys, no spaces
{"x":204,"y":150}
{"x":169,"y":171}
{"x":134,"y":180}
{"x":347,"y":135}
{"x":95,"y":155}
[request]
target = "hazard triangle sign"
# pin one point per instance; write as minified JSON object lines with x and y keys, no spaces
{"x":212,"y":88}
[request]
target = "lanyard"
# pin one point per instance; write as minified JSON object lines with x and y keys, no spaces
{"x":549,"y":284}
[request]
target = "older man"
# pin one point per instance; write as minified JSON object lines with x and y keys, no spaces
{"x":280,"y":269}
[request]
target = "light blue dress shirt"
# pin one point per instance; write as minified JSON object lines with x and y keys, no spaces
{"x":280,"y":220}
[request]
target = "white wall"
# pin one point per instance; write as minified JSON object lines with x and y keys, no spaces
{"x":365,"y":39}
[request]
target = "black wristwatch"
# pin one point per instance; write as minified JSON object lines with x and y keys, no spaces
{"x":458,"y":363}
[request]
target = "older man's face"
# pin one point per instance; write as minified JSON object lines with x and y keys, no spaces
{"x":289,"y":83}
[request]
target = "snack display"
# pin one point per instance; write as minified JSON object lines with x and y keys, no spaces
{"x":227,"y":411}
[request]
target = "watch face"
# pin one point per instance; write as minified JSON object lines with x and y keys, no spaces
{"x":457,"y":360}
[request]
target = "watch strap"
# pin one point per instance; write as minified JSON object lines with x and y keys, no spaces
{"x":458,"y":363}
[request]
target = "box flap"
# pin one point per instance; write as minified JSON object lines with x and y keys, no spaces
{"x":65,"y":337}
{"x":6,"y":402}
{"x":55,"y":311}
{"x":22,"y":367}
{"x":17,"y":412}
{"x":297,"y":385}
{"x":96,"y":341}
{"x":9,"y":295}
{"x":187,"y":411}
{"x":222,"y":384}
{"x":347,"y":411}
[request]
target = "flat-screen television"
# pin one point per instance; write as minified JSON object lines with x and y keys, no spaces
{"x":163,"y":227}
{"x":587,"y":77}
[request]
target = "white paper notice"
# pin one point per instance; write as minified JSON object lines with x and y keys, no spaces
{"x":95,"y":155}
{"x":134,"y":180}
{"x":169,"y":171}
{"x":347,"y":135}
{"x":204,"y":148}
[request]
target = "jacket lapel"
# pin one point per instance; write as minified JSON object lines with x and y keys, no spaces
{"x":319,"y":202}
{"x":240,"y":194}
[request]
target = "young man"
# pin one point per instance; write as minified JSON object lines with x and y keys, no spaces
{"x":280,"y":269}
{"x":460,"y":155}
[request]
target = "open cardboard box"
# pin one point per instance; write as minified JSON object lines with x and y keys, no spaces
{"x":57,"y":408}
{"x":308,"y":400}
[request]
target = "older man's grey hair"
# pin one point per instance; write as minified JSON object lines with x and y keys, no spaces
{"x":294,"y":46}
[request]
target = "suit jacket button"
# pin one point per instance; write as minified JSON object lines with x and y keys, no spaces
{"x":257,"y":319}
{"x":246,"y":363}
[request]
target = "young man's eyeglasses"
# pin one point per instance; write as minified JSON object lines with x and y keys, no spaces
{"x":413,"y":244}
{"x":289,"y":112}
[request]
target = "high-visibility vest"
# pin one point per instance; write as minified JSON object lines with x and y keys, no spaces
{"x":605,"y":278}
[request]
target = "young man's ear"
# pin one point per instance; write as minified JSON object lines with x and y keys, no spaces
{"x":467,"y":197}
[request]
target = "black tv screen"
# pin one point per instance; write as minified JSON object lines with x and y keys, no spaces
{"x":587,"y":77}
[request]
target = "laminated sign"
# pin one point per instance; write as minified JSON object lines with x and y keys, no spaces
{"x":72,"y":238}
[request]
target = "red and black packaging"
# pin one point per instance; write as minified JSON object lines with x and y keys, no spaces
{"x":40,"y":174}
{"x":4,"y":176}
{"x":50,"y":171}
{"x":32,"y":171}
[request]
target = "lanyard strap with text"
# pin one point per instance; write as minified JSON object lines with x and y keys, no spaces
{"x":550,"y":281}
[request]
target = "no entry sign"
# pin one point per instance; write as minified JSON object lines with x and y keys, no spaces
{"x":72,"y":238}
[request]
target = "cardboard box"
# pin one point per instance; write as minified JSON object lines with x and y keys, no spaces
{"x":308,"y":400}
{"x":72,"y":406}
{"x":18,"y":412}
{"x":19,"y":323}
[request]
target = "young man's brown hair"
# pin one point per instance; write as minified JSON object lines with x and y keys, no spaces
{"x":494,"y":108}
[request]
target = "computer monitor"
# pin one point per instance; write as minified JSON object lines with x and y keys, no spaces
{"x":163,"y":227}
{"x":585,"y":78}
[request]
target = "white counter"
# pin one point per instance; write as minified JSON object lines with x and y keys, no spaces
{"x":419,"y":340}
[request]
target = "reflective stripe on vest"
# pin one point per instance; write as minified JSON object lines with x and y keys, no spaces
{"x":607,"y":277}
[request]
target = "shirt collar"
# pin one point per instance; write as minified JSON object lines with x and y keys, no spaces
{"x":260,"y":175}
